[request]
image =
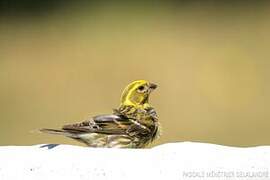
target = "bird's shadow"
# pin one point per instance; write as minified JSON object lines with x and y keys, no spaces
{"x":49,"y":146}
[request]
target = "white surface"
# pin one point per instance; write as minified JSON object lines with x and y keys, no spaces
{"x":170,"y":161}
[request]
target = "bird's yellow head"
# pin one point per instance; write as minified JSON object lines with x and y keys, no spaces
{"x":137,"y":93}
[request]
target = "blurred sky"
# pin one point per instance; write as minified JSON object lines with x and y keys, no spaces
{"x":61,"y":62}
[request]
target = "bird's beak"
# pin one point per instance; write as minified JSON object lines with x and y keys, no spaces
{"x":153,"y":86}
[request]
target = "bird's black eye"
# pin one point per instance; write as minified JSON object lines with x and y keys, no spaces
{"x":141,"y":88}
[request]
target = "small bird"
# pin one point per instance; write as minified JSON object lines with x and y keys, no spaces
{"x":133,"y":125}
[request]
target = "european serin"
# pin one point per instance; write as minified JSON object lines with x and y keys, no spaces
{"x":133,"y":125}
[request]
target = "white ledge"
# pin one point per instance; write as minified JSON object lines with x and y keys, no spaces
{"x":169,"y":161}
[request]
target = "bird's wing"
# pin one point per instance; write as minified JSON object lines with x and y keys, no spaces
{"x":105,"y":124}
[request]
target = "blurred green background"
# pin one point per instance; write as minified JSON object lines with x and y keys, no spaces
{"x":61,"y":62}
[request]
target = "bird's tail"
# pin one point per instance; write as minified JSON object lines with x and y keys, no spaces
{"x":56,"y":131}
